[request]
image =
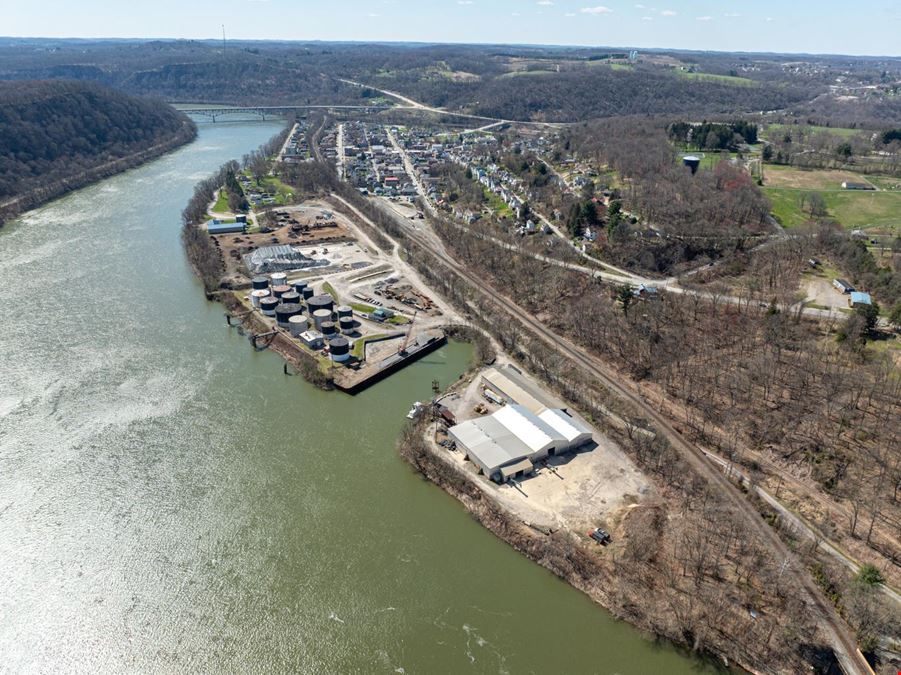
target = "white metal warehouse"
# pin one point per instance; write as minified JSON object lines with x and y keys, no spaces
{"x":512,"y":440}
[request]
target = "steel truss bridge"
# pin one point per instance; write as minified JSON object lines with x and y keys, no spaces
{"x":215,"y":113}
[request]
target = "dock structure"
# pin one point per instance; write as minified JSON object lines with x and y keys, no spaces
{"x":354,"y":381}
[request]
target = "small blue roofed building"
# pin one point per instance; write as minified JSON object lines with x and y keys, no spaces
{"x":859,"y":299}
{"x":216,"y":226}
{"x":382,"y":314}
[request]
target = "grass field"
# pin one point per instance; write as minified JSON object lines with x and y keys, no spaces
{"x":722,"y":79}
{"x":773,"y":129}
{"x":816,"y":179}
{"x":498,"y":205}
{"x":221,"y":205}
{"x":284,"y":194}
{"x":886,"y":182}
{"x":328,"y":288}
{"x":851,"y":209}
{"x":361,"y":308}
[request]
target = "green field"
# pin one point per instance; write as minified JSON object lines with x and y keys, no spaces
{"x":772,"y":129}
{"x":886,"y":182}
{"x":498,"y":205}
{"x":221,"y":205}
{"x":328,"y":288}
{"x":361,"y":308}
{"x":852,"y":209}
{"x":722,"y":79}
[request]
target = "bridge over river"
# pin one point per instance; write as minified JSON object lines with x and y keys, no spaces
{"x":266,"y":112}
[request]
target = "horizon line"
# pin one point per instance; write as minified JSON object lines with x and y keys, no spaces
{"x":430,"y":43}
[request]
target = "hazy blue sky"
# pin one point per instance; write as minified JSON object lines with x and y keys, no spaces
{"x":860,"y":27}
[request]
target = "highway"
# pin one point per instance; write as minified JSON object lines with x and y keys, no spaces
{"x":410,"y":104}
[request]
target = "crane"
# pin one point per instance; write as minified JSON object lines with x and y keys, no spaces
{"x":403,"y":348}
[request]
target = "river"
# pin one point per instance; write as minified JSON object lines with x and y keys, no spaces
{"x":171,"y":502}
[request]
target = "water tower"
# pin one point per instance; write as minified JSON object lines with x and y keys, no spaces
{"x":693,"y":162}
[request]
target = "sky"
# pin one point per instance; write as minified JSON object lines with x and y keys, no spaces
{"x":814,"y":26}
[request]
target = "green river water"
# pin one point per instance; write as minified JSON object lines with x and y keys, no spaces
{"x":170,"y":502}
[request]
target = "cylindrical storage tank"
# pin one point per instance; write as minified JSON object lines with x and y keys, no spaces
{"x":307,"y":293}
{"x":299,"y":286}
{"x":283,"y":313}
{"x":318,"y":302}
{"x":260,"y":283}
{"x":347,"y":324}
{"x":291,"y":298}
{"x":279,"y":279}
{"x":321,"y":316}
{"x":692,"y":162}
{"x":339,"y":348}
{"x":345,"y":311}
{"x":257,"y":296}
{"x":268,"y":305}
{"x":329,"y":328}
{"x":297,"y":324}
{"x":279,"y":291}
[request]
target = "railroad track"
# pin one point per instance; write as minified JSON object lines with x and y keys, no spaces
{"x":837,"y":633}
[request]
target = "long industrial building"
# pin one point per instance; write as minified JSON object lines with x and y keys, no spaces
{"x":514,"y":387}
{"x":508,"y":443}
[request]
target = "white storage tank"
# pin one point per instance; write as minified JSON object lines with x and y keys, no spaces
{"x":298,"y":324}
{"x":321,"y":316}
{"x":257,"y":296}
{"x":279,"y":279}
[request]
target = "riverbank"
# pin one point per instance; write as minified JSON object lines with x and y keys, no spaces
{"x":557,"y":551}
{"x":21,"y":204}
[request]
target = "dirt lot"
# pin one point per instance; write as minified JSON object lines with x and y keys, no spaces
{"x":575,"y":492}
{"x":821,"y":292}
{"x":788,"y":177}
{"x":307,"y":225}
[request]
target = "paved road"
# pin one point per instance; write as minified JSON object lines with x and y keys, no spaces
{"x":613,"y":274}
{"x":410,"y":104}
{"x":800,"y":525}
{"x":670,"y":285}
{"x":836,"y":632}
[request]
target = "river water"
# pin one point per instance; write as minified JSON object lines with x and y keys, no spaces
{"x":170,"y":502}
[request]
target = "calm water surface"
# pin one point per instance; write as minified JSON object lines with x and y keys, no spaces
{"x":169,"y":502}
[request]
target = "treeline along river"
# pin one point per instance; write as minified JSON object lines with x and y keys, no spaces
{"x":170,"y":502}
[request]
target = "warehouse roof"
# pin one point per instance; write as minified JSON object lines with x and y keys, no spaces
{"x":537,"y":434}
{"x":512,"y":384}
{"x":490,"y":442}
{"x":573,"y":430}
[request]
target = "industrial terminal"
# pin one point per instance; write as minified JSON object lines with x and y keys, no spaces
{"x":314,"y":281}
{"x":533,"y":454}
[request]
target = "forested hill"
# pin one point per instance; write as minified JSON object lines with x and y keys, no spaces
{"x":58,"y":135}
